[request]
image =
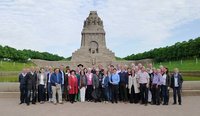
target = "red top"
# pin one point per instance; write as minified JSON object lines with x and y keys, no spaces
{"x":73,"y":84}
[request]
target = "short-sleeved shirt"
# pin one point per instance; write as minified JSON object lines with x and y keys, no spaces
{"x":143,"y":77}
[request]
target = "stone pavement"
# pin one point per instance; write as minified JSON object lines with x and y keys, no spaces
{"x":10,"y":107}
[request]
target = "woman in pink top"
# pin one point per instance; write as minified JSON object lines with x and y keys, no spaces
{"x":89,"y":89}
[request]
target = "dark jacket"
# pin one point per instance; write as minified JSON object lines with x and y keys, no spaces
{"x":168,"y":80}
{"x":31,"y":81}
{"x":180,"y":80}
{"x":123,"y":77}
{"x":22,"y":80}
{"x":83,"y":81}
{"x":95,"y":81}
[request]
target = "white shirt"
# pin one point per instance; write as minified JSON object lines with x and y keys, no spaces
{"x":176,"y":80}
{"x":63,"y":76}
{"x":41,"y":79}
{"x":164,"y":79}
{"x":143,"y":77}
{"x":49,"y":78}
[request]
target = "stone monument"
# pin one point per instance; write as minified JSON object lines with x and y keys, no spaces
{"x":93,"y":48}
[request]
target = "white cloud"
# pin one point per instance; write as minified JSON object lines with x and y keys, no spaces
{"x":55,"y":25}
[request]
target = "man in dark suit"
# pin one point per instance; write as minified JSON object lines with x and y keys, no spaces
{"x":30,"y":82}
{"x":22,"y":86}
{"x":176,"y":85}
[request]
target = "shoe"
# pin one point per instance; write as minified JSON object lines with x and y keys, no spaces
{"x":174,"y":104}
{"x":20,"y":103}
{"x":60,"y":102}
{"x":180,"y":104}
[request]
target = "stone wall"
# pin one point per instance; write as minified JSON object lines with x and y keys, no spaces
{"x":73,"y":65}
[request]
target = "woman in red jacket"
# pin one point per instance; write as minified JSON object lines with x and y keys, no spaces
{"x":73,"y":86}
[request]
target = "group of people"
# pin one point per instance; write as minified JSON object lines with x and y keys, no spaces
{"x":121,"y":83}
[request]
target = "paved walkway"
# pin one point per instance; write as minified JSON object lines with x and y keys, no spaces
{"x":10,"y":107}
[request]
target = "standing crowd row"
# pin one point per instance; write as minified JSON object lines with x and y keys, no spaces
{"x":134,"y":84}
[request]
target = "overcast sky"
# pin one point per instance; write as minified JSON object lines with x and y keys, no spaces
{"x":132,"y":26}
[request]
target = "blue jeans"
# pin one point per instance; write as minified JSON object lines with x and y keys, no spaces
{"x":106,"y":93}
{"x":165,"y":94}
{"x":49,"y":89}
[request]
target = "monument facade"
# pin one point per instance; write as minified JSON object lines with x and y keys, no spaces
{"x":93,"y":48}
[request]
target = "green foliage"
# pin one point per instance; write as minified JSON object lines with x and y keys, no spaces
{"x":183,"y":50}
{"x":119,"y":59}
{"x":24,"y":55}
{"x":69,"y":58}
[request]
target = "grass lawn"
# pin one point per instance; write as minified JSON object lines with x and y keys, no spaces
{"x":186,"y":65}
{"x":9,"y":79}
{"x":14,"y":66}
{"x":190,"y":78}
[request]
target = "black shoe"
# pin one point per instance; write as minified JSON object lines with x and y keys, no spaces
{"x":20,"y":103}
{"x":179,"y":103}
{"x":174,"y":104}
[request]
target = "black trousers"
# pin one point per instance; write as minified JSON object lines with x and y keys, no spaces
{"x":115,"y":92}
{"x":89,"y":92}
{"x":30,"y":93}
{"x":156,"y":94}
{"x":144,"y":93}
{"x":22,"y":93}
{"x":123,"y":92}
{"x":177,"y":91}
{"x":134,"y":97}
{"x":72,"y":98}
{"x":41,"y":93}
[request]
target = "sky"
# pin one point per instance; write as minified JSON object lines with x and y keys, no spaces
{"x":132,"y":26}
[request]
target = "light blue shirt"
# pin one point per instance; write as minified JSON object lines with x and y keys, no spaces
{"x":114,"y":79}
